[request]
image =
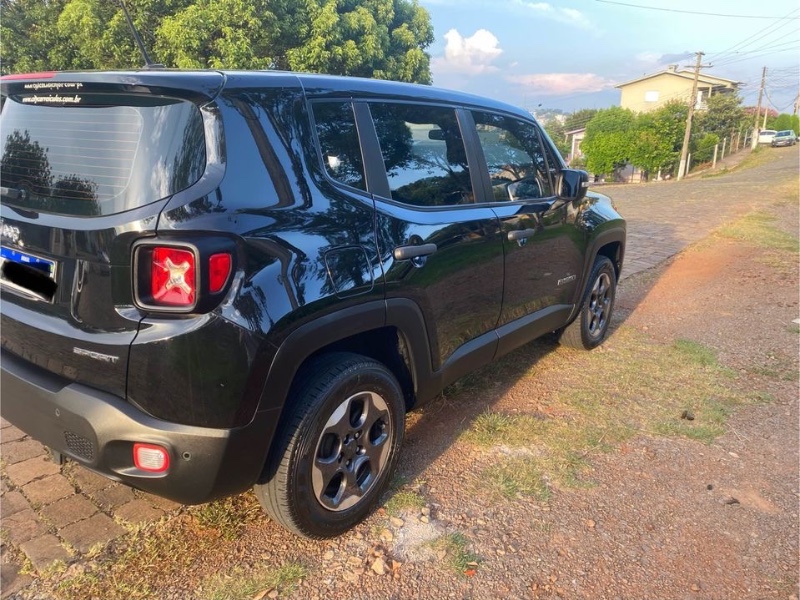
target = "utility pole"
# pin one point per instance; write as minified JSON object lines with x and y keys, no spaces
{"x":754,"y":141}
{"x":682,"y":167}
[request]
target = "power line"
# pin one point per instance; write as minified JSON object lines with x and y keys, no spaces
{"x":762,"y":53}
{"x":769,"y":45}
{"x":761,"y":33}
{"x":690,"y":12}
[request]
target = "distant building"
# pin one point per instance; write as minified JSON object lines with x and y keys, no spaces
{"x":574,"y":138}
{"x":654,"y":91}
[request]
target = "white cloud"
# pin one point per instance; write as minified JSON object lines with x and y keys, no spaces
{"x":570,"y":16}
{"x":658,"y":60}
{"x":558,"y":84}
{"x":652,"y":58}
{"x":471,"y":55}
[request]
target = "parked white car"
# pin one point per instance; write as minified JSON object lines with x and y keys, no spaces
{"x":765,"y":137}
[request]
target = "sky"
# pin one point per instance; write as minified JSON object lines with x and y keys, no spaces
{"x":569,"y":55}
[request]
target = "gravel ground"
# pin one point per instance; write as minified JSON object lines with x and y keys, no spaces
{"x":653,"y":518}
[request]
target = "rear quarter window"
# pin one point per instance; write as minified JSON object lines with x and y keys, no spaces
{"x":109,"y":154}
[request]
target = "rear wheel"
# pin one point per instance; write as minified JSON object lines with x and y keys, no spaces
{"x":337,"y":446}
{"x":590,"y":327}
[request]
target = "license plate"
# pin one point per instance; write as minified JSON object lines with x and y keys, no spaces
{"x":28,"y":273}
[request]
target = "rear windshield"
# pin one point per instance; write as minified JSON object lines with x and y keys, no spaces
{"x":107,"y":155}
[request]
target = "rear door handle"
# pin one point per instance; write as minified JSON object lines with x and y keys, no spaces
{"x":520,"y":234}
{"x":407,"y":252}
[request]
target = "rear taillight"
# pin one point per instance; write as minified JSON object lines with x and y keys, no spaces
{"x":219,"y":268}
{"x":181,"y":276}
{"x":172,"y":277}
{"x":150,"y":458}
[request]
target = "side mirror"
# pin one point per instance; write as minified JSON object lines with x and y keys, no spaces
{"x":573,"y":184}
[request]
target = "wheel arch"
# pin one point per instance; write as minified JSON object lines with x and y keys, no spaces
{"x":392,"y":332}
{"x":609,"y":243}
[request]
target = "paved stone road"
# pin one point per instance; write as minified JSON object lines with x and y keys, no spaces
{"x":55,"y":514}
{"x":666,"y":217}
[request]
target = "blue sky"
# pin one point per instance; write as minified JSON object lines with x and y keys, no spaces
{"x":569,"y":55}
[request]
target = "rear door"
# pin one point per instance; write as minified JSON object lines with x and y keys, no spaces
{"x":88,"y":162}
{"x":438,"y":247}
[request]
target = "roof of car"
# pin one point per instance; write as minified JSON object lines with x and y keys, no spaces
{"x":210,"y":82}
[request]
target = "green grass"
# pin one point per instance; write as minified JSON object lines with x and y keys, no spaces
{"x":241,"y":584}
{"x":457,"y":554}
{"x":695,"y":352}
{"x":517,"y":478}
{"x":758,"y":229}
{"x":404,"y":501}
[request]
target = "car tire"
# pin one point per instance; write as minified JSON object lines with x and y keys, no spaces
{"x":337,"y":446}
{"x":590,"y":327}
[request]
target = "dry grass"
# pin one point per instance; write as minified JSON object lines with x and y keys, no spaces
{"x":141,"y":561}
{"x":242,"y":584}
{"x":635,"y":385}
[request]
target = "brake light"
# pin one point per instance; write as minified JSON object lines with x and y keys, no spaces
{"x":172,"y":276}
{"x":182,"y":276}
{"x":219,"y":267}
{"x":39,"y":75}
{"x":149,"y":457}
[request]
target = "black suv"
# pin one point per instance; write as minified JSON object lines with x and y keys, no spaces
{"x":213,"y":280}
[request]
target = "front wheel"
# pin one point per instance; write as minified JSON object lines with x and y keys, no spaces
{"x":590,"y":327}
{"x":337,"y":446}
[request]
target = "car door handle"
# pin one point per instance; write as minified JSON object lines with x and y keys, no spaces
{"x":520,"y":234}
{"x":406,"y":252}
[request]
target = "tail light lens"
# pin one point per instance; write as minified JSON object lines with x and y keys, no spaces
{"x":182,"y":277}
{"x":172,"y":277}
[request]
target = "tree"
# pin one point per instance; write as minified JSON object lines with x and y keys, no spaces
{"x":659,"y":137}
{"x":723,"y":116}
{"x":609,"y":140}
{"x":219,"y":34}
{"x":29,"y":37}
{"x":557,"y":133}
{"x":557,"y":130}
{"x":579,"y":119}
{"x":704,"y":148}
{"x":784,"y":121}
{"x":367,"y":38}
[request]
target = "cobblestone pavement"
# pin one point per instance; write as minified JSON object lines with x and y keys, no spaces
{"x":51,"y":513}
{"x":666,"y":217}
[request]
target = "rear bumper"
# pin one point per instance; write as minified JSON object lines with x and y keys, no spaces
{"x":98,"y":430}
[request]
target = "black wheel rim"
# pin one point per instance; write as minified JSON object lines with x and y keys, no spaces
{"x":598,"y":308}
{"x":352,"y":451}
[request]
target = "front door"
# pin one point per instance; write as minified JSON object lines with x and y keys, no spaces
{"x":543,"y":248}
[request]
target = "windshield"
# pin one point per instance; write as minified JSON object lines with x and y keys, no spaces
{"x":109,"y":154}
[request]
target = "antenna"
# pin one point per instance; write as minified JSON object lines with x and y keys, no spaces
{"x":148,"y":64}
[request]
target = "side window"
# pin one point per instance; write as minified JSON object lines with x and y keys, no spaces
{"x":515,"y":157}
{"x":423,"y":153}
{"x":553,"y":161}
{"x":338,"y":140}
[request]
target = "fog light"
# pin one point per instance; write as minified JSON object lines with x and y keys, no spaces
{"x":149,"y":457}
